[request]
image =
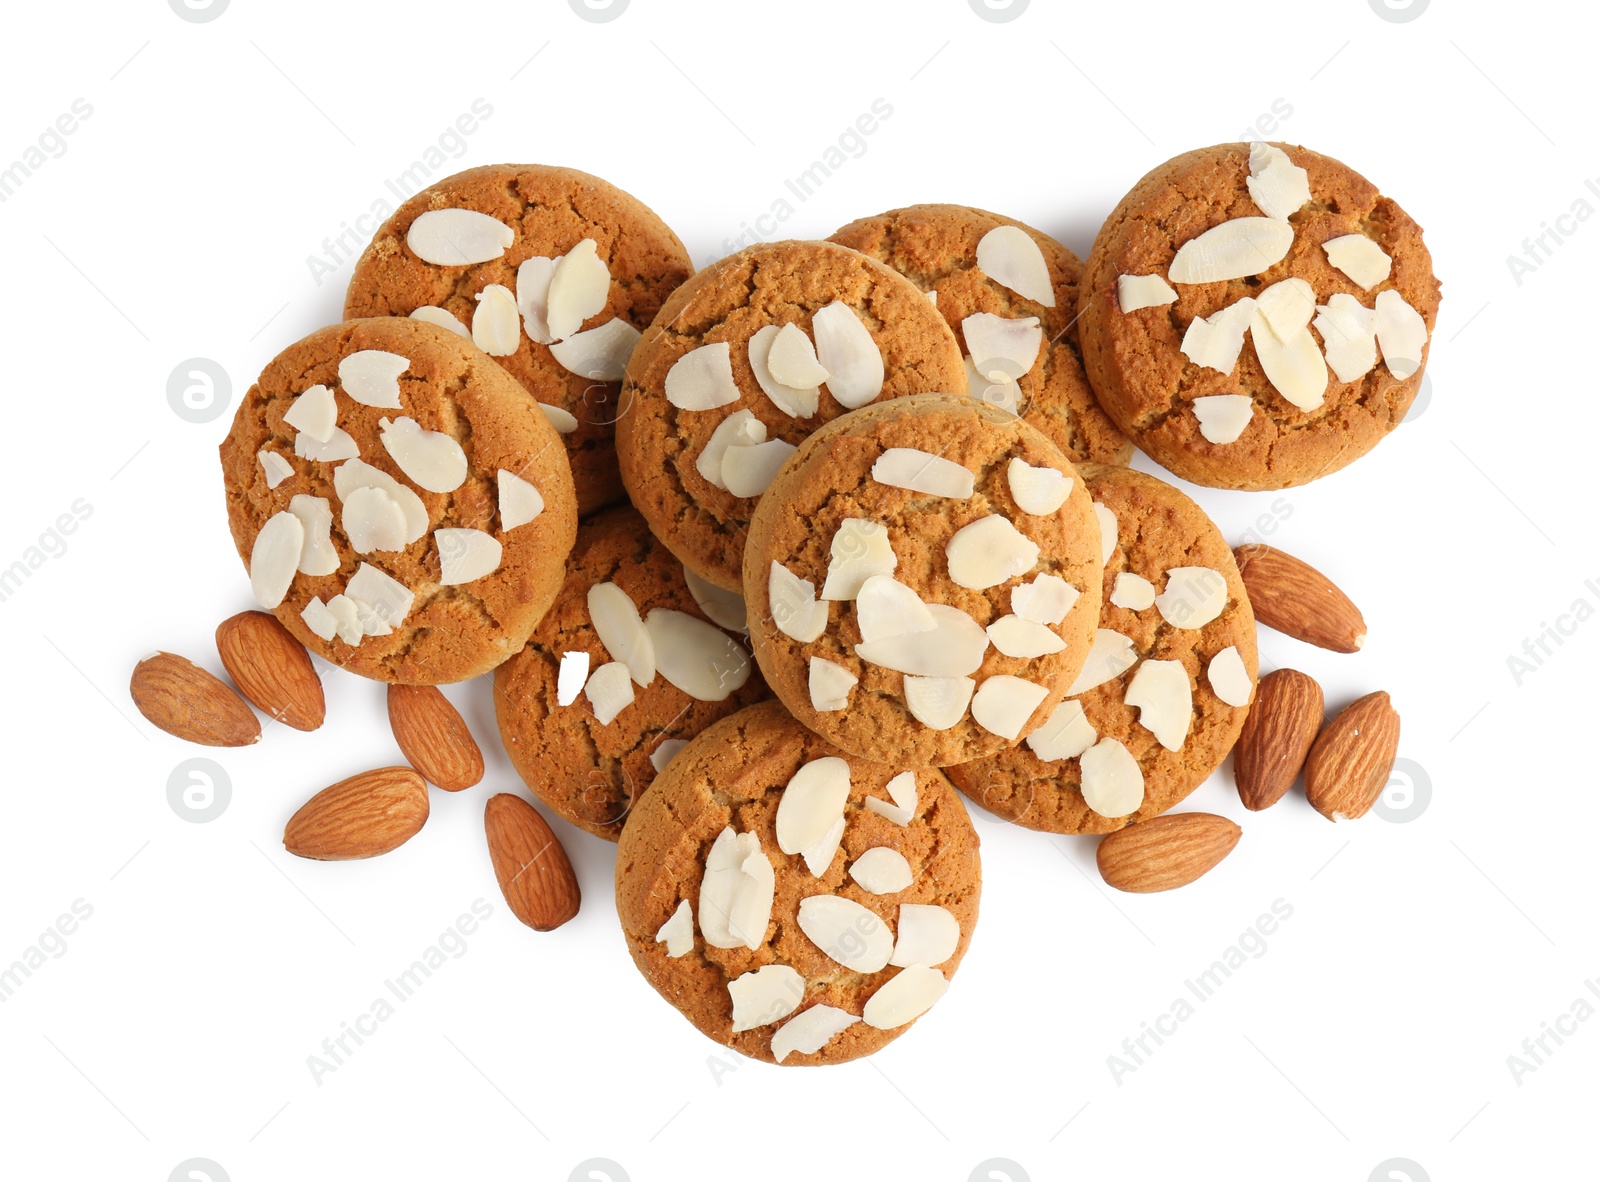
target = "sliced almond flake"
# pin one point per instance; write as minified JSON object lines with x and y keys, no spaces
{"x":442,"y":318}
{"x":799,"y":403}
{"x":1045,"y":600}
{"x":372,"y":377}
{"x":886,"y":607}
{"x":314,"y":412}
{"x":820,"y":856}
{"x":466,"y":555}
{"x":923,"y":472}
{"x":430,"y":459}
{"x":1287,"y":307}
{"x":812,"y":801}
{"x":1277,"y":184}
{"x":274,"y":467}
{"x":792,"y":360}
{"x":925,"y":934}
{"x":698,"y":658}
{"x":740,"y":429}
{"x":847,"y":350}
{"x":600,"y":354}
{"x":496,"y":325}
{"x":562,"y":420}
{"x":340,"y":447}
{"x":1024,"y":639}
{"x":1066,"y":734}
{"x":735,"y":892}
{"x":373,"y":520}
{"x":811,"y":1030}
{"x":274,"y":558}
{"x":1111,"y":655}
{"x":1232,"y":250}
{"x":664,"y":752}
{"x":1349,"y":334}
{"x":702,"y":379}
{"x":1295,"y":367}
{"x":794,"y":606}
{"x":1363,"y":260}
{"x":1108,"y":531}
{"x":726,"y":608}
{"x":1134,"y":592}
{"x":881,"y":871}
{"x":904,"y":997}
{"x":859,"y":550}
{"x":954,"y":647}
{"x":354,"y":474}
{"x":1010,"y":256}
{"x":1223,"y":417}
{"x":1402,"y":333}
{"x":533,"y":296}
{"x":580,"y":285}
{"x":319,"y":619}
{"x":849,"y":933}
{"x":902,"y":789}
{"x":765,"y":995}
{"x":1143,"y":291}
{"x":1160,"y":691}
{"x":830,"y":685}
{"x":1039,"y":491}
{"x":610,"y":691}
{"x":1229,"y":678}
{"x":520,"y":502}
{"x":994,"y":340}
{"x":571,"y":674}
{"x":933,"y":297}
{"x":1003,"y":704}
{"x":385,"y":602}
{"x":1112,"y":783}
{"x":938,"y":703}
{"x":997,"y":388}
{"x":747,"y":471}
{"x":318,"y":555}
{"x":347,"y":619}
{"x":1215,"y":341}
{"x":617,"y":622}
{"x":752,"y":902}
{"x":678,"y":932}
{"x":1194,"y":596}
{"x":458,"y":237}
{"x":989,"y":551}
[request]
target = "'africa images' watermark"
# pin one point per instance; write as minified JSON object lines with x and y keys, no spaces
{"x":1543,"y":645}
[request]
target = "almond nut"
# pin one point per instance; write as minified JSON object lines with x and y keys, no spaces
{"x":434,"y":737}
{"x":1277,"y":733}
{"x":272,"y":669}
{"x":1165,"y":852}
{"x":184,"y":700}
{"x":1350,"y":762}
{"x":1299,"y":600}
{"x":366,"y":815}
{"x":535,"y":875}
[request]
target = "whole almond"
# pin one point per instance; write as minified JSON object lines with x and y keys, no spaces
{"x":1350,"y":762}
{"x":1298,"y":600}
{"x":1165,"y":852}
{"x":272,"y":669}
{"x":366,"y":815}
{"x":535,"y":875}
{"x":184,"y":700}
{"x":434,"y":737}
{"x":1278,"y":732}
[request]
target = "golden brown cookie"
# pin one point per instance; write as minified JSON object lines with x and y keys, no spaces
{"x":1319,"y":365}
{"x":544,"y":213}
{"x":591,"y":771}
{"x":705,"y":429}
{"x":400,"y":507}
{"x":1176,"y":667}
{"x":937,"y":247}
{"x":831,"y":952}
{"x":923,"y":580}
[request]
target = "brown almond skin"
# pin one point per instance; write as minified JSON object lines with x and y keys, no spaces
{"x":1281,"y":726}
{"x":434,"y":737}
{"x":1299,"y":600}
{"x":1350,"y":762}
{"x":1165,"y":852}
{"x":533,"y":870}
{"x":272,"y":669}
{"x":184,"y":700}
{"x":361,"y":817}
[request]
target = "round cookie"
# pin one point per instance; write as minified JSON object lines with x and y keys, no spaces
{"x":940,"y":688}
{"x":875,"y":324}
{"x":404,"y":440}
{"x":1158,"y":529}
{"x":591,"y":772}
{"x":735,"y":779}
{"x":545,"y":213}
{"x":1303,"y":421}
{"x":937,"y":246}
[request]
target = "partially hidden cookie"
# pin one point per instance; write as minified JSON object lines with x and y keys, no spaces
{"x":1167,"y":686}
{"x":1255,"y":316}
{"x":551,"y":271}
{"x":982,"y":269}
{"x":795,"y":903}
{"x":923,"y":580}
{"x":399,"y":506}
{"x":747,"y":359}
{"x":633,"y":659}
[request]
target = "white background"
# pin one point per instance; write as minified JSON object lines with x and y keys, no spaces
{"x":1377,"y":1024}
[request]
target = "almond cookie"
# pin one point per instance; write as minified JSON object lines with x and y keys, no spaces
{"x":634,"y":658}
{"x":981,"y":269}
{"x":551,"y":271}
{"x":399,"y":506}
{"x":795,"y":903}
{"x":923,"y":580}
{"x":1167,"y":685}
{"x":747,"y":359}
{"x":1328,"y":280}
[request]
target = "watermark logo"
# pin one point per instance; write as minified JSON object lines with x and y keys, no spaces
{"x":599,"y":12}
{"x":198,"y":1169}
{"x":1399,"y":12}
{"x":1419,"y":404}
{"x":998,"y":1169}
{"x":999,"y":12}
{"x":198,"y":390}
{"x":1405,"y":797}
{"x":1398,"y":1169}
{"x":597,"y":1169}
{"x":199,"y":12}
{"x":199,"y":790}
